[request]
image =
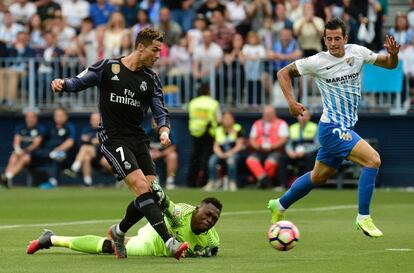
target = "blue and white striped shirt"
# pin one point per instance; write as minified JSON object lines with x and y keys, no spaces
{"x":339,"y":81}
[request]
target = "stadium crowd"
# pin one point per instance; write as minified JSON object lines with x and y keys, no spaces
{"x":199,"y":33}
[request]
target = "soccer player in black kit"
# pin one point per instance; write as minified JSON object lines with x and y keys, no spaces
{"x":128,"y":87}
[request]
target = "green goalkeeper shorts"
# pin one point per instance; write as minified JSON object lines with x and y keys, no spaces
{"x":147,"y":243}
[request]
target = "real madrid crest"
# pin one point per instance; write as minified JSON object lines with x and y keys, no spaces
{"x":143,"y":87}
{"x":115,"y":68}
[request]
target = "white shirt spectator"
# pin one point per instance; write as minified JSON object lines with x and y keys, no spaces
{"x":65,"y":37}
{"x":407,"y":56}
{"x":236,"y":12}
{"x":75,"y":11}
{"x":180,"y":60}
{"x":8,"y":35}
{"x":294,"y":14}
{"x":23,"y":13}
{"x":254,"y":55}
{"x":309,"y":37}
{"x":207,"y":56}
{"x":195,"y":38}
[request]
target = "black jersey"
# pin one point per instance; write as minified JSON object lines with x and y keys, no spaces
{"x":124,"y":97}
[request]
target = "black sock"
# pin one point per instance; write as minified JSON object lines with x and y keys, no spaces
{"x":107,"y":247}
{"x":132,"y":216}
{"x":153,"y":214}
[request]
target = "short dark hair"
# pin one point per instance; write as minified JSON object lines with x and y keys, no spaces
{"x":204,"y":89}
{"x":214,"y":201}
{"x":333,"y":24}
{"x":147,"y":36}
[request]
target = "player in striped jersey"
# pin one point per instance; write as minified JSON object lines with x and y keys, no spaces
{"x":194,"y":225}
{"x":337,"y":73}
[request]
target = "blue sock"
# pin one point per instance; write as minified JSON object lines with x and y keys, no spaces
{"x":366,"y":187}
{"x":301,"y":187}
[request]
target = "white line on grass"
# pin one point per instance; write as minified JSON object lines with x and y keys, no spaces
{"x":398,"y":249}
{"x":230,"y":213}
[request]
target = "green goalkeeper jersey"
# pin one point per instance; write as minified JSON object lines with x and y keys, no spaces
{"x":178,"y":219}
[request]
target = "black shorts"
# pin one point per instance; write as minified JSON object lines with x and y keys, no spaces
{"x":127,"y":155}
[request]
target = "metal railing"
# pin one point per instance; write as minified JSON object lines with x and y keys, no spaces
{"x":25,"y":83}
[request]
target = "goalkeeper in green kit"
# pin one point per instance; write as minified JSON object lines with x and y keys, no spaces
{"x":187,"y":223}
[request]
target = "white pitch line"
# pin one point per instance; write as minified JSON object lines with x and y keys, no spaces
{"x":398,"y":249}
{"x":230,"y":213}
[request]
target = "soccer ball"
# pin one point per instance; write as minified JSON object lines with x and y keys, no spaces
{"x":283,"y":235}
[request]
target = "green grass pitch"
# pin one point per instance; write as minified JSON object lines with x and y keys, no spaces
{"x":325,"y":218}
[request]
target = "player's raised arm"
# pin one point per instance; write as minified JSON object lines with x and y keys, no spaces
{"x":285,"y":76}
{"x":90,"y":77}
{"x":389,"y":61}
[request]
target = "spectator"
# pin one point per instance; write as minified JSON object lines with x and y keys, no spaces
{"x":294,"y":10}
{"x":351,"y":27}
{"x":88,"y":42}
{"x":11,"y":76}
{"x":114,"y":32}
{"x":309,"y":31}
{"x":100,"y":12}
{"x":233,"y":72}
{"x":26,"y":144}
{"x":223,"y":32}
{"x":227,"y":145}
{"x":268,"y":137}
{"x":89,"y":152}
{"x":129,"y":10}
{"x":63,"y":32}
{"x":182,"y":12}
{"x":257,"y":10}
{"x":47,"y":9}
{"x":36,"y":33}
{"x":204,"y":117}
{"x":142,"y":22}
{"x":301,"y":148}
{"x":266,"y":33}
{"x":208,"y":7}
{"x":180,"y":58}
{"x":237,"y":16}
{"x":153,"y":8}
{"x":126,"y":47}
{"x":58,"y":145}
{"x":195,"y":35}
{"x":168,"y":155}
{"x":206,"y":58}
{"x":281,"y":21}
{"x":9,"y":29}
{"x":171,"y":29}
{"x":285,"y":50}
{"x":50,"y":57}
{"x":75,"y":11}
{"x":401,"y":31}
{"x":22,"y":10}
{"x":410,"y":15}
{"x":253,"y":56}
{"x":407,"y":56}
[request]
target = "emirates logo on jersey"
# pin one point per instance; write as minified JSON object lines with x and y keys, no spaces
{"x":143,"y":87}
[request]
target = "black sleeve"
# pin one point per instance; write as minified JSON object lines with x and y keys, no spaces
{"x":158,"y":109}
{"x":90,"y":77}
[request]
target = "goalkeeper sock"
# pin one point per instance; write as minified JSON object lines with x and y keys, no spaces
{"x":132,"y":216}
{"x":301,"y":187}
{"x":87,"y":244}
{"x":366,"y":187}
{"x":153,"y":214}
